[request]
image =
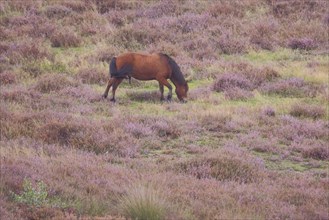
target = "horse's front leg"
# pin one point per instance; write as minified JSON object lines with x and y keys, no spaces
{"x":164,"y":82}
{"x":106,"y":92}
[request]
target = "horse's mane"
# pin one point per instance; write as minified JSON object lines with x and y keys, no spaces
{"x":177,"y":75}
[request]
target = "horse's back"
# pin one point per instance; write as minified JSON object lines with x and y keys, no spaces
{"x":145,"y":66}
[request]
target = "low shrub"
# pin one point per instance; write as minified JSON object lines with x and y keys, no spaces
{"x":308,"y":111}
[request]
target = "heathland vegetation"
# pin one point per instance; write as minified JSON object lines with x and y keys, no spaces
{"x":250,"y":143}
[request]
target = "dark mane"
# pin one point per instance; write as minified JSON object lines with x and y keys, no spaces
{"x":177,"y":75}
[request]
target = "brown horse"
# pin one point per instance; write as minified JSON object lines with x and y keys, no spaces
{"x":158,"y":67}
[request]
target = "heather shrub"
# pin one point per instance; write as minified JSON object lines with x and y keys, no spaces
{"x":311,"y":149}
{"x":150,"y":96}
{"x":166,"y":128}
{"x":53,"y":82}
{"x":268,"y":111}
{"x":7,"y":78}
{"x":224,"y":167}
{"x":92,"y":76}
{"x":231,"y":43}
{"x":143,"y":202}
{"x":294,"y":129}
{"x":216,"y":122}
{"x":19,"y":52}
{"x":58,"y":132}
{"x":138,"y":130}
{"x":159,"y":9}
{"x":262,"y":33}
{"x":257,"y":75}
{"x":65,"y":37}
{"x":19,"y":94}
{"x":294,"y":87}
{"x":302,"y":43}
{"x":237,"y":94}
{"x":57,"y":11}
{"x":317,"y":153}
{"x":81,"y":92}
{"x":308,"y":111}
{"x":231,"y":81}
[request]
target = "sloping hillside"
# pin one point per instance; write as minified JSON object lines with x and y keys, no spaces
{"x":250,"y":143}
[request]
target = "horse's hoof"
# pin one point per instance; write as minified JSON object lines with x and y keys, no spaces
{"x":104,"y":96}
{"x":112,"y":100}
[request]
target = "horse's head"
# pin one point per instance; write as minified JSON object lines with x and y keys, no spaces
{"x":181,"y":91}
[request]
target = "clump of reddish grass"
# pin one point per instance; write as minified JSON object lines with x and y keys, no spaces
{"x":65,"y":37}
{"x":224,"y":166}
{"x":7,"y":78}
{"x":308,"y":111}
{"x":92,"y":76}
{"x":302,"y":43}
{"x":53,"y":82}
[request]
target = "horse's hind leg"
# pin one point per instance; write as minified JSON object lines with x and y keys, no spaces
{"x":161,"y":91}
{"x":164,"y":82}
{"x":109,"y":84}
{"x":116,"y":83}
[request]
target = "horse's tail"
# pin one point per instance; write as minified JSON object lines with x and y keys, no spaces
{"x":113,"y":67}
{"x":176,"y":74}
{"x":123,"y":72}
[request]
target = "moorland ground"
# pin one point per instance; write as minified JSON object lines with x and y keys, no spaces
{"x":250,"y":143}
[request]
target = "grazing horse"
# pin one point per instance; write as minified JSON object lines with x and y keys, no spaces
{"x":158,"y":67}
